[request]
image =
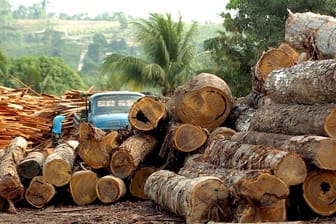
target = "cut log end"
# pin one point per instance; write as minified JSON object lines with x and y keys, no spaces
{"x":83,"y":187}
{"x":207,"y":196}
{"x":188,"y":137}
{"x":121,"y":164}
{"x":11,"y":189}
{"x":57,"y":172}
{"x":39,"y":192}
{"x":292,"y":169}
{"x":110,"y":189}
{"x":138,"y":181}
{"x":319,"y":192}
{"x":330,"y":124}
{"x":325,"y":154}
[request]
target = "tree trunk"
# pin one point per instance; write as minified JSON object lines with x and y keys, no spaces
{"x":195,"y":199}
{"x":95,"y":146}
{"x":222,"y":132}
{"x":319,"y":191}
{"x":203,"y":101}
{"x":255,"y":186}
{"x":147,"y":113}
{"x":311,"y":82}
{"x":312,"y":33}
{"x":296,"y":119}
{"x":31,"y":165}
{"x":318,"y":151}
{"x":138,"y":181}
{"x":39,"y":192}
{"x":130,"y":153}
{"x":11,"y":187}
{"x":240,"y":117}
{"x":110,"y":189}
{"x":58,"y":166}
{"x":83,"y":187}
{"x":288,"y":166}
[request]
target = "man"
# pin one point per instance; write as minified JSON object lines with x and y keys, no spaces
{"x":57,"y":130}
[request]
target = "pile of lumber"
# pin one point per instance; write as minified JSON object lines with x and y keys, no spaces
{"x":266,"y":157}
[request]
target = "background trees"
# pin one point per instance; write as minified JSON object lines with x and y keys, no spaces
{"x":168,"y":52}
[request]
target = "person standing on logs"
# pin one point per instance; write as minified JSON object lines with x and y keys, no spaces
{"x":57,"y":130}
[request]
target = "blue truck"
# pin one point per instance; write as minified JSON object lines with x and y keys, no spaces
{"x":107,"y":110}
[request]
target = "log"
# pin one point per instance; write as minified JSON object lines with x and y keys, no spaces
{"x":288,"y":166}
{"x":131,"y":153}
{"x":96,"y":147}
{"x":11,"y":187}
{"x":317,"y":151}
{"x":240,"y":117}
{"x":319,"y":191}
{"x":39,"y":192}
{"x":254,"y":186}
{"x":296,"y":119}
{"x":312,"y":33}
{"x":147,"y":113}
{"x":196,"y":199}
{"x":31,"y":165}
{"x":189,"y":137}
{"x":83,"y":187}
{"x":311,"y":82}
{"x":58,"y":166}
{"x":110,"y":189}
{"x":204,"y":101}
{"x":138,"y":181}
{"x":222,"y":132}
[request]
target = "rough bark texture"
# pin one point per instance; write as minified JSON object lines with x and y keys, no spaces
{"x":138,"y":181}
{"x":58,"y":166}
{"x":31,"y":165}
{"x":255,"y":186}
{"x":11,"y":187}
{"x":130,"y":153}
{"x":312,"y":33}
{"x":110,"y":189}
{"x":196,"y":199}
{"x":296,"y":119}
{"x":147,"y":113}
{"x":96,"y":146}
{"x":39,"y":192}
{"x":318,"y":151}
{"x":289,"y":167}
{"x":319,"y":191}
{"x":83,"y":187}
{"x":240,"y":117}
{"x":204,"y":101}
{"x":310,"y":82}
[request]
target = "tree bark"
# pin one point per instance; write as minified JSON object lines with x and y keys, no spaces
{"x":96,"y":147}
{"x":222,"y":132}
{"x":83,"y":187}
{"x":317,"y":151}
{"x":39,"y":192}
{"x":147,"y":113}
{"x":255,"y":186}
{"x":288,"y":166}
{"x":296,"y":119}
{"x":131,"y":153}
{"x":11,"y":187}
{"x":58,"y":166}
{"x":319,"y":191}
{"x":195,"y":199}
{"x":31,"y":165}
{"x":138,"y":181}
{"x":110,"y":189}
{"x":240,"y":118}
{"x":311,"y":82}
{"x":312,"y":33}
{"x":203,"y":101}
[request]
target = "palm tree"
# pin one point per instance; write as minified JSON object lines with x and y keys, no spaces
{"x":168,"y":50}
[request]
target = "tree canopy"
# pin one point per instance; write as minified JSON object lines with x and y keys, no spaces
{"x":168,"y":52}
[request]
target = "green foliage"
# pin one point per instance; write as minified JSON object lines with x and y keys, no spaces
{"x":168,"y":53}
{"x":4,"y":63}
{"x":255,"y":26}
{"x":45,"y":75}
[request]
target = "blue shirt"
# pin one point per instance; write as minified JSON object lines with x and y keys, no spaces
{"x":57,"y":124}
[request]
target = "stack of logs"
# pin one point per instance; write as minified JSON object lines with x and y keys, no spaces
{"x":201,"y":154}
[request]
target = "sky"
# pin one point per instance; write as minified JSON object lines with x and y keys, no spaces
{"x":190,"y":10}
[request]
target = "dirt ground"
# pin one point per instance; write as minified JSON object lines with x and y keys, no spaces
{"x":141,"y":211}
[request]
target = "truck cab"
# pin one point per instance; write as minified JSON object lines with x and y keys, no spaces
{"x":108,"y":110}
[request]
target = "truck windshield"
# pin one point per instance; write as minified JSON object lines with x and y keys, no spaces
{"x":120,"y":103}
